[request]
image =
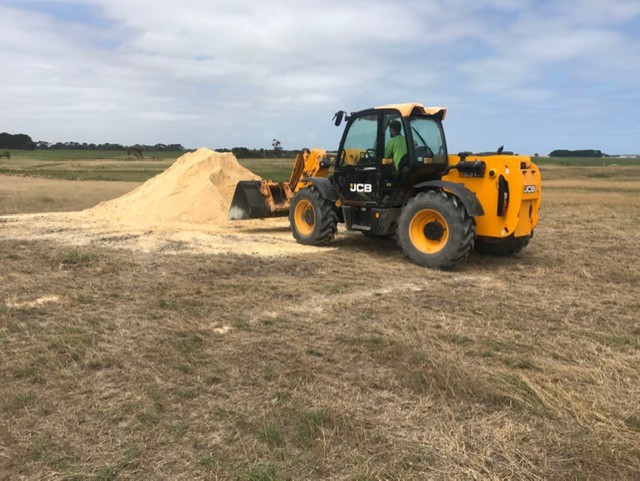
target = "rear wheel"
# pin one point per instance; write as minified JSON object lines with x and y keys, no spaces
{"x":434,"y":230}
{"x":313,"y":219}
{"x":507,"y":246}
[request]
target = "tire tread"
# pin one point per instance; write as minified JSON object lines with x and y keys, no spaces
{"x":326,"y":216}
{"x":466,"y":225}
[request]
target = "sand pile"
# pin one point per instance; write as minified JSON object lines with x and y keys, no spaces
{"x":196,"y":189}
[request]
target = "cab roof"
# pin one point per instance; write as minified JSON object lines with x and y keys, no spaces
{"x":408,"y":108}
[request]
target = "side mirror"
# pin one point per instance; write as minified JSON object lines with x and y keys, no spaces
{"x":338,"y":117}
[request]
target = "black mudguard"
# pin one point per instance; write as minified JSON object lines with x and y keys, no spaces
{"x":467,"y":197}
{"x":324,"y":185}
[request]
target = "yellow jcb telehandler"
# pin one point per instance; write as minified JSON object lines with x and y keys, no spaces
{"x":439,"y":206}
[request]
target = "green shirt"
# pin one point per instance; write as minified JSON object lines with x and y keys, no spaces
{"x":396,"y":149}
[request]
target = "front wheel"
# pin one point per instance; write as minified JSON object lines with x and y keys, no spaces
{"x":435,"y":230}
{"x":313,"y":219}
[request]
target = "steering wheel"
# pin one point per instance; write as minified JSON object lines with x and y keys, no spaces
{"x":424,"y":151}
{"x":368,"y":158}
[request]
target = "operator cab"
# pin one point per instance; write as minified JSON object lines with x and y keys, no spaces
{"x":386,"y":150}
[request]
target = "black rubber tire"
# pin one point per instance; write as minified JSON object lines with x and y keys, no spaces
{"x":502,"y":247}
{"x":324,"y":225}
{"x":460,"y":229}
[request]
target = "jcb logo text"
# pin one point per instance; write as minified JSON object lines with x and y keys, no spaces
{"x":366,"y":188}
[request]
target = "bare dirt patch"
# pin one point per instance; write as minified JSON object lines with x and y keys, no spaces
{"x":257,"y":237}
{"x":182,"y":209}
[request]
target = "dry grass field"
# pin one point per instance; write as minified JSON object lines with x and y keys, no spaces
{"x":341,"y":363}
{"x":20,"y":195}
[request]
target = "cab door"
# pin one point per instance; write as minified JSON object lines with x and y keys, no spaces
{"x":357,"y":166}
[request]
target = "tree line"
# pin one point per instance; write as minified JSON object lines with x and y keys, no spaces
{"x":41,"y":145}
{"x":277,"y":152}
{"x":24,"y":142}
{"x":577,"y":153}
{"x":245,"y":153}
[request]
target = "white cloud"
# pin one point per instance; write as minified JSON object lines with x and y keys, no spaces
{"x":597,"y":12}
{"x":223,"y":74}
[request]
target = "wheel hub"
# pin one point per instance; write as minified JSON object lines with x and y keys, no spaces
{"x":308,"y":216}
{"x":433,"y":231}
{"x":429,"y":231}
{"x":303,"y":217}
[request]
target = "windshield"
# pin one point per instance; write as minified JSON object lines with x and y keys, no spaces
{"x":427,"y":140}
{"x":360,"y":144}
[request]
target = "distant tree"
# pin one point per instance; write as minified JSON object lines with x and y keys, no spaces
{"x":16,"y":141}
{"x":241,"y":152}
{"x":277,"y":148}
{"x":137,"y":151}
{"x":577,"y":153}
{"x":175,"y":148}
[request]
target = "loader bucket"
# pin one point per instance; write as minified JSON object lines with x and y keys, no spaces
{"x":258,"y":199}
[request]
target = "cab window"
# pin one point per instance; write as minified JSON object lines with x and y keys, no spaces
{"x":360,"y":145}
{"x":428,"y":141}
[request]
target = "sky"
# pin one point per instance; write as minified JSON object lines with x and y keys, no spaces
{"x":533,"y":76}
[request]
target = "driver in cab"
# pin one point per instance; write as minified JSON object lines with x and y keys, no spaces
{"x":396,"y":147}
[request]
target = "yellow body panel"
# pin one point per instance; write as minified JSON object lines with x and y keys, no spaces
{"x":307,"y":164}
{"x":524,"y":182}
{"x":406,"y":109}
